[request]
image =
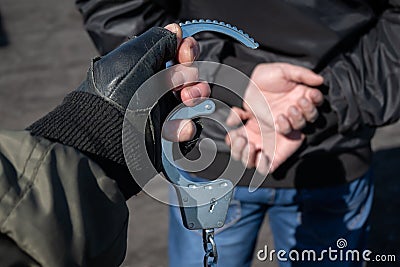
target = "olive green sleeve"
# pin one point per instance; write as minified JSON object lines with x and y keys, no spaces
{"x":58,"y":205}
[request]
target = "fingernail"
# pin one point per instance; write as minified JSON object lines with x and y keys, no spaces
{"x":281,"y":118}
{"x":195,"y":92}
{"x":196,"y":52}
{"x":303,"y":102}
{"x":191,"y":52}
{"x":178,"y":78}
{"x":294,"y":111}
{"x":172,"y":27}
{"x":271,"y":169}
{"x":277,"y":128}
{"x":187,"y":130}
{"x":316,"y":94}
{"x":314,"y":116}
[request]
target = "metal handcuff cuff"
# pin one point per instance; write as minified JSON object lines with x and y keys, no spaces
{"x":214,"y":196}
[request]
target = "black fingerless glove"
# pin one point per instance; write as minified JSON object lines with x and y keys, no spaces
{"x":91,"y":118}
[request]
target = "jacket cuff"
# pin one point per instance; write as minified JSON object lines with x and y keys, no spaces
{"x":86,"y":122}
{"x":91,"y":125}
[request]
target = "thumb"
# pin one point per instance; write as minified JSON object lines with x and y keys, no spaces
{"x":236,"y":116}
{"x":179,"y":130}
{"x":302,"y":75}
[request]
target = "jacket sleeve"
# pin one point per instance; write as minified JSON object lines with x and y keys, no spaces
{"x":59,"y":206}
{"x":364,"y":83}
{"x":110,"y":23}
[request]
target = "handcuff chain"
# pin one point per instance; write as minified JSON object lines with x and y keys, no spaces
{"x":210,"y":248}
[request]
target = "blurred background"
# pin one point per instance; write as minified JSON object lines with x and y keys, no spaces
{"x":44,"y":54}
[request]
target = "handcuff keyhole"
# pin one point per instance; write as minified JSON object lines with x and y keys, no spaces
{"x":212,"y":208}
{"x":213,"y":202}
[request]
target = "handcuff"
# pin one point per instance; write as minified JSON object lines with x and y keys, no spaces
{"x":203,"y":205}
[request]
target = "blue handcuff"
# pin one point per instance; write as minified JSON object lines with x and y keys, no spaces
{"x":203,"y":205}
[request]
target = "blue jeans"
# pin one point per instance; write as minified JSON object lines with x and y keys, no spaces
{"x":303,"y":219}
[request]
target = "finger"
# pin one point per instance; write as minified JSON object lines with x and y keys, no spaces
{"x":236,"y":116}
{"x":308,"y":110}
{"x":296,"y":118}
{"x":183,"y":75}
{"x":228,"y":138}
{"x":237,"y":146}
{"x":262,"y":171}
{"x":249,"y":155}
{"x":302,"y":75}
{"x":175,"y":28}
{"x":274,"y":165}
{"x":188,"y":51}
{"x":194,"y":94}
{"x":188,"y":48}
{"x":178,"y":130}
{"x":233,"y":134}
{"x":315,"y":96}
{"x":262,"y":163}
{"x":283,"y":125}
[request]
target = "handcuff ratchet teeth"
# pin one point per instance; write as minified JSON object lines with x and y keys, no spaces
{"x":190,"y":28}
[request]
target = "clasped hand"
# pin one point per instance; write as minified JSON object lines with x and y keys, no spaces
{"x":270,"y":136}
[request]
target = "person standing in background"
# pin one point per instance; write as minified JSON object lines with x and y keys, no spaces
{"x":324,"y":191}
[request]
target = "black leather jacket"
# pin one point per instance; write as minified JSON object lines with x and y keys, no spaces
{"x":353,"y":44}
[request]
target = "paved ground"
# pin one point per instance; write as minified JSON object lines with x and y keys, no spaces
{"x":48,"y":56}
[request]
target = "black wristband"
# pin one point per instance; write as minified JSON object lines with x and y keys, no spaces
{"x":86,"y":122}
{"x":90,"y":124}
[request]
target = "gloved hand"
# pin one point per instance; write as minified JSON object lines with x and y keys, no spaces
{"x":91,"y":118}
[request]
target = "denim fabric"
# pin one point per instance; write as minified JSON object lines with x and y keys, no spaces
{"x":299,"y":220}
